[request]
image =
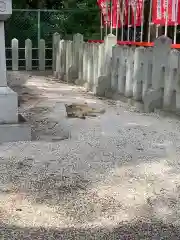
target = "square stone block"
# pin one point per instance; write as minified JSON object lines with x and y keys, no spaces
{"x":8,"y":105}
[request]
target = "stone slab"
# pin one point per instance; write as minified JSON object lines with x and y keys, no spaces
{"x":8,"y":105}
{"x":20,"y":131}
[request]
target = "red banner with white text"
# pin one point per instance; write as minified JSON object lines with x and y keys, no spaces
{"x":166,"y":11}
{"x":107,"y":8}
{"x":120,"y":14}
{"x":116,"y":15}
{"x":137,"y":11}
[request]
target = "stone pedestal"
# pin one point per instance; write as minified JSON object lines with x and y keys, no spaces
{"x":8,"y":105}
{"x":13,"y":127}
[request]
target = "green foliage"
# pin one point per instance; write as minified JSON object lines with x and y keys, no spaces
{"x":74,"y":16}
{"x":70,"y":17}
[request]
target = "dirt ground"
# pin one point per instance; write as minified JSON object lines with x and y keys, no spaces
{"x":115,"y":176}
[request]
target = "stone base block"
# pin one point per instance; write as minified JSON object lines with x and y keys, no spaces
{"x":8,"y":106}
{"x":20,"y":131}
{"x":80,"y":82}
{"x":153,"y":99}
{"x":102,"y":87}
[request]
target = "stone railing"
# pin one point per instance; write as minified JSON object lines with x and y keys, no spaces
{"x":147,"y":75}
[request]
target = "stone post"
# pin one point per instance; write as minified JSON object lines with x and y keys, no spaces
{"x":78,"y":49}
{"x":68,"y":53}
{"x":115,"y":65}
{"x":104,"y":81}
{"x":15,"y":54}
{"x":110,"y":41}
{"x":10,"y":127}
{"x":85,"y":61}
{"x":147,"y":82}
{"x":171,"y":75}
{"x":177,"y":86}
{"x":153,"y":98}
{"x":129,"y":73}
{"x":3,"y":81}
{"x":138,"y":73}
{"x":122,"y":69}
{"x":42,"y":55}
{"x":56,"y":39}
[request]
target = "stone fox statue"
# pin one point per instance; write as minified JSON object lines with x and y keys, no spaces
{"x":75,"y":110}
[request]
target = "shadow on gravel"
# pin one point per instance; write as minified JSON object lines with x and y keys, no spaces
{"x":127,"y":231}
{"x":146,"y":219}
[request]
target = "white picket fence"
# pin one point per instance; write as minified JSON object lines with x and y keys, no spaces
{"x":28,"y":53}
{"x":148,"y":75}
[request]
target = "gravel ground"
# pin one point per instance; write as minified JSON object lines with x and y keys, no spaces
{"x":115,"y":176}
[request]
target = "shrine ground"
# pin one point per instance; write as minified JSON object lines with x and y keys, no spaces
{"x":115,"y":176}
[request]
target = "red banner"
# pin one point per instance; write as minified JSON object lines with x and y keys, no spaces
{"x":115,"y":14}
{"x":104,"y":7}
{"x":122,"y":11}
{"x":133,"y":7}
{"x":163,"y":8}
{"x":136,"y":8}
{"x":109,"y":7}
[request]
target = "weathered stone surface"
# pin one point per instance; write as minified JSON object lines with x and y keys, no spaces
{"x":103,"y":85}
{"x":153,"y":99}
{"x":72,"y":74}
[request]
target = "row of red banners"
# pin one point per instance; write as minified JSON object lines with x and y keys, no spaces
{"x":130,"y":12}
